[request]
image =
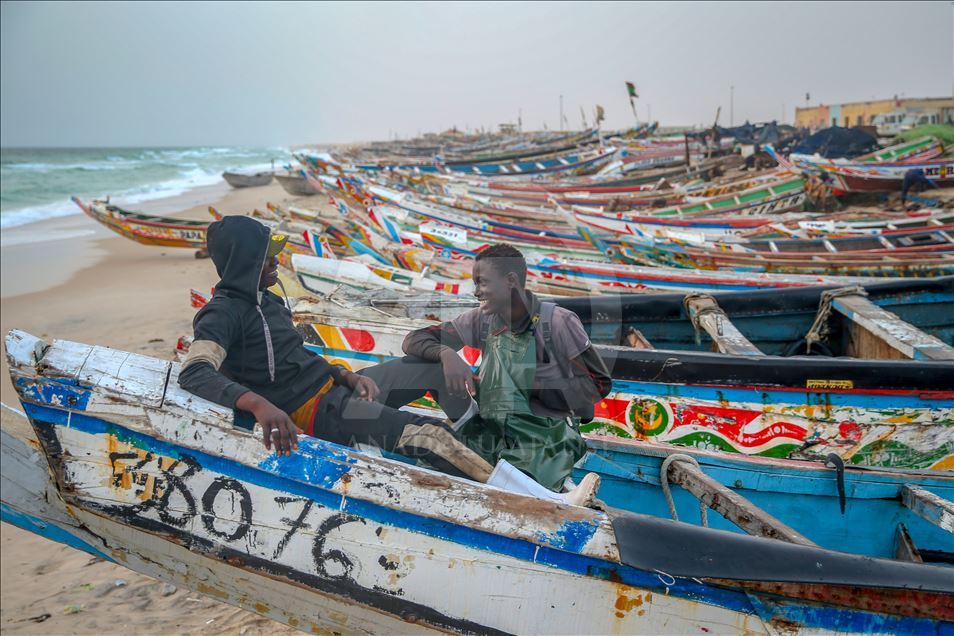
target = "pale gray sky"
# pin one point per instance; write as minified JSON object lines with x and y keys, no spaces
{"x":100,"y":74}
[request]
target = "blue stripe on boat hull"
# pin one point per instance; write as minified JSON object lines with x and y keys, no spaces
{"x":47,"y":530}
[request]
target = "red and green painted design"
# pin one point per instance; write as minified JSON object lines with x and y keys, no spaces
{"x":716,"y":427}
{"x":802,"y":430}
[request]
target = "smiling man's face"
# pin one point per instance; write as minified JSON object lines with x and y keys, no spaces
{"x":493,"y":289}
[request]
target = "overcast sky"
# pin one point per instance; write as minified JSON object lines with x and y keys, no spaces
{"x":128,"y":74}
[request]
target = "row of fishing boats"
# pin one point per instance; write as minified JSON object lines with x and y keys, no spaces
{"x":804,"y":406}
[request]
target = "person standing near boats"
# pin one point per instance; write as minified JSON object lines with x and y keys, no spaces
{"x":539,"y":376}
{"x":247,"y":355}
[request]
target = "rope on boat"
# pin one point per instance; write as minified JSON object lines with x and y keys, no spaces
{"x":664,"y":482}
{"x":819,"y":330}
{"x":711,"y":306}
{"x":12,"y":409}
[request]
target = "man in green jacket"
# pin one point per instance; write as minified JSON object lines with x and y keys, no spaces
{"x":539,"y":375}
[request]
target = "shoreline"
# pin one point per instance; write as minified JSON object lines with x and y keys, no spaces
{"x":84,"y":241}
{"x":70,"y":278}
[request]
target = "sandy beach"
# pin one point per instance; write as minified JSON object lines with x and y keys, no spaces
{"x":71,"y":279}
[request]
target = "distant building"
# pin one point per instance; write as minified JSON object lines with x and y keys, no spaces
{"x":508,"y":129}
{"x":907,"y":111}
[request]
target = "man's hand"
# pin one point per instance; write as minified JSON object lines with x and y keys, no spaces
{"x":277,"y":427}
{"x":364,"y":388}
{"x":458,"y":376}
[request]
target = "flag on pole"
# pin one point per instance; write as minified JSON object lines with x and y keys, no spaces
{"x":600,"y":114}
{"x":631,"y":89}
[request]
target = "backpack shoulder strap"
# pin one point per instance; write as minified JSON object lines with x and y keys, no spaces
{"x":484,"y":326}
{"x":546,"y":330}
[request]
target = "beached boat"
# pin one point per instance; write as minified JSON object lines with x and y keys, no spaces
{"x":921,"y":149}
{"x":146,"y":228}
{"x":243,"y":180}
{"x":927,"y":251}
{"x":134,"y":470}
{"x":877,"y":389}
{"x":860,"y":176}
{"x":295,"y":185}
{"x":883,"y":512}
{"x":571,"y":163}
{"x":553,"y":268}
{"x":322,"y":276}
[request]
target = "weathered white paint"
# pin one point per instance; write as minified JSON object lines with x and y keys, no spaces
{"x":112,"y":484}
{"x":329,"y":538}
{"x":497,"y":591}
{"x":927,"y":505}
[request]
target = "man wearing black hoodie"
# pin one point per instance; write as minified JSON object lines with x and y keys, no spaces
{"x":248,"y":356}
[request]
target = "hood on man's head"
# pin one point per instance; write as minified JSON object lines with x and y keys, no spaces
{"x":237,"y":245}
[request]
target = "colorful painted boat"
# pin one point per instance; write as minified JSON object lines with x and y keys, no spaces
{"x":921,"y":149}
{"x":889,"y":404}
{"x":552,"y":270}
{"x":744,"y":209}
{"x":323,"y":276}
{"x":571,"y":163}
{"x":879,"y":512}
{"x":927,"y":251}
{"x":138,"y":472}
{"x":146,"y":228}
{"x":855,"y":176}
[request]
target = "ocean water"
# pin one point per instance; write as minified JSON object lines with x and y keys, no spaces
{"x":37,"y":183}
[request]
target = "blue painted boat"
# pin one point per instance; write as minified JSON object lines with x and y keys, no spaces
{"x":878,"y":389}
{"x":132,"y":468}
{"x":835,"y":508}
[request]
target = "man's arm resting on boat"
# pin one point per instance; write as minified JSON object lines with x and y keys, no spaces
{"x":276,"y":425}
{"x":200,"y":376}
{"x":430,"y":343}
{"x":441,"y":343}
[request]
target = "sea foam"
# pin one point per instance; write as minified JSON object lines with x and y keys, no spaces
{"x":128,"y":176}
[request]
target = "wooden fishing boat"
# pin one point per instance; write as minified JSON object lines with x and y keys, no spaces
{"x":855,"y":176}
{"x":787,"y":226}
{"x":618,"y":198}
{"x":146,"y":228}
{"x":325,"y":275}
{"x":921,"y":149}
{"x":877,"y":389}
{"x":243,"y":180}
{"x":553,"y":269}
{"x":132,"y":469}
{"x":295,"y":185}
{"x":915,"y":251}
{"x":882,"y":512}
{"x":573,"y":162}
{"x":485,"y":228}
{"x":759,"y":201}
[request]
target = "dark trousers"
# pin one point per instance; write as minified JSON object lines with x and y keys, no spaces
{"x":343,"y":419}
